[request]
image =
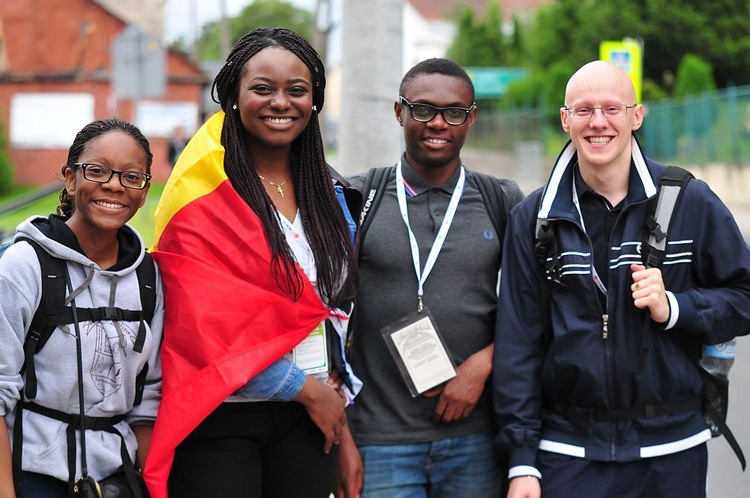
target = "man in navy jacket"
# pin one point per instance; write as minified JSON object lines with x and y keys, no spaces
{"x":600,"y":405}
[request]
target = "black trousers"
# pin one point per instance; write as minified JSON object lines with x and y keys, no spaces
{"x":680,"y":475}
{"x":254,"y":450}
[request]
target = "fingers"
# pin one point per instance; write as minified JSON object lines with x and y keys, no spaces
{"x":335,"y":380}
{"x":648,"y":292}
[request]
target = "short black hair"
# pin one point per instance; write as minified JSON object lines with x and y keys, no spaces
{"x":436,"y":65}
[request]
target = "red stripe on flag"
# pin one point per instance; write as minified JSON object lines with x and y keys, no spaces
{"x":226,"y":319}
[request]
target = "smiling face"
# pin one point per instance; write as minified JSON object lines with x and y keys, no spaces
{"x":601,"y":142}
{"x":274,"y":98}
{"x":103,"y":208}
{"x":434,"y":145}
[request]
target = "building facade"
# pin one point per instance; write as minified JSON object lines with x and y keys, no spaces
{"x":57,"y":74}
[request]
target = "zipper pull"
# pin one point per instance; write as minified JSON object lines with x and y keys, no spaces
{"x":605,"y":326}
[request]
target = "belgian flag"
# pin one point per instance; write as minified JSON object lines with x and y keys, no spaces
{"x":226,"y":319}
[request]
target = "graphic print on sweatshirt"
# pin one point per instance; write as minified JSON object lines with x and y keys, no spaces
{"x":106,"y":367}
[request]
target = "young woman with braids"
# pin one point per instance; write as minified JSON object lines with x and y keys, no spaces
{"x":255,"y":239}
{"x":106,"y":181}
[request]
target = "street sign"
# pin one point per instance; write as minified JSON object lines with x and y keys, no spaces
{"x":627,"y":55}
{"x":138,"y":65}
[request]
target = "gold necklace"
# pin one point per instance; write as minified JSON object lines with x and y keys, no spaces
{"x":278,"y":186}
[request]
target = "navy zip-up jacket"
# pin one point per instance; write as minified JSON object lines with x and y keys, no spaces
{"x":592,"y":359}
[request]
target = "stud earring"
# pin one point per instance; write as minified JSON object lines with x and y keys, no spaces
{"x":234,"y":107}
{"x":315,"y":108}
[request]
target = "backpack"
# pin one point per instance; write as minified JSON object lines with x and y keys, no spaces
{"x":659,"y":211}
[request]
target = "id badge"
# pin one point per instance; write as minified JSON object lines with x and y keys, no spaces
{"x":311,"y":355}
{"x":419,"y":351}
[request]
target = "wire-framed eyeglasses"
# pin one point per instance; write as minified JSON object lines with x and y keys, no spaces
{"x":97,"y":173}
{"x":608,"y":111}
{"x":424,"y":113}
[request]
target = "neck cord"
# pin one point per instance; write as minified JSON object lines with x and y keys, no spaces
{"x":84,"y":466}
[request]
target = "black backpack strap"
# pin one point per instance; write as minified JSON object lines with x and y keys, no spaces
{"x":373,"y":190}
{"x":498,"y":201}
{"x":494,"y":199}
{"x":146,"y":273}
{"x":546,"y":252}
{"x":50,"y":305}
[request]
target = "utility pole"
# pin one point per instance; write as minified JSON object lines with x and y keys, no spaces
{"x":372,"y":56}
{"x":224,"y":34}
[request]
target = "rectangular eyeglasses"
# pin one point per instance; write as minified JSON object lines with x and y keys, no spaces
{"x":97,"y":173}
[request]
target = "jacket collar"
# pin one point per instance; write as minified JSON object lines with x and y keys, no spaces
{"x":557,"y":198}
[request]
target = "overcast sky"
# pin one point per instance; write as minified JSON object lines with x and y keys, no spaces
{"x":184,"y":18}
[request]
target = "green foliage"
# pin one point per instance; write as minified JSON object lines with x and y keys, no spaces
{"x":6,"y":168}
{"x":272,"y":13}
{"x":570,"y":31}
{"x":479,"y":43}
{"x":516,"y":45}
{"x":714,"y":31}
{"x":694,"y":76}
{"x":544,"y":90}
{"x":651,"y":92}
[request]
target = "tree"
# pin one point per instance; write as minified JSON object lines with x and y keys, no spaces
{"x":694,"y":76}
{"x":6,"y":168}
{"x":571,"y":30}
{"x":479,"y":43}
{"x":258,"y":14}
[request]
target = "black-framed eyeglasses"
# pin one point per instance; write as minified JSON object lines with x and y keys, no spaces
{"x":424,"y":113}
{"x":97,"y":173}
{"x":608,"y":111}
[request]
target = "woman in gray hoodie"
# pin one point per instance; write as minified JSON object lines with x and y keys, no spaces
{"x":106,"y":182}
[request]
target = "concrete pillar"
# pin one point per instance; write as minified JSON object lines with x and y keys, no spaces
{"x":371,"y":59}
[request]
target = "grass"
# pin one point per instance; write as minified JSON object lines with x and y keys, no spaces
{"x":143,"y":221}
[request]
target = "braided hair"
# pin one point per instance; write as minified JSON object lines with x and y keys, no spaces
{"x":88,"y":134}
{"x":321,"y":214}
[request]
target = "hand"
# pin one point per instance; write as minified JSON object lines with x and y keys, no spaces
{"x":459,"y":396}
{"x":524,"y":487}
{"x":143,"y":436}
{"x":325,"y":406}
{"x":648,"y":292}
{"x":336,"y":381}
{"x":350,"y":473}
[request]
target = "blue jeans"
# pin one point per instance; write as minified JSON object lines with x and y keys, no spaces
{"x":465,"y":466}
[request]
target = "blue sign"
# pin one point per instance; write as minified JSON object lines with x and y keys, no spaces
{"x":492,"y":82}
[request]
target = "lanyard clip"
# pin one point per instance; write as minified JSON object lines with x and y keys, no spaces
{"x":420,"y":305}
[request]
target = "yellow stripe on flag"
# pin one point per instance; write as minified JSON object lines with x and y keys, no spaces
{"x":199,"y":170}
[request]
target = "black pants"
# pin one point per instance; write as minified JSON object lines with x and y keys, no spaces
{"x":254,"y":450}
{"x":680,"y":475}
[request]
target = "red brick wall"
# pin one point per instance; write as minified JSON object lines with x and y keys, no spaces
{"x":64,"y":46}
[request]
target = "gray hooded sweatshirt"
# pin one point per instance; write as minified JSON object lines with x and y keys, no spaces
{"x":110,"y":365}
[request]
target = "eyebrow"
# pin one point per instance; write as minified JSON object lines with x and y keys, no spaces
{"x":291,"y":81}
{"x":455,"y":104}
